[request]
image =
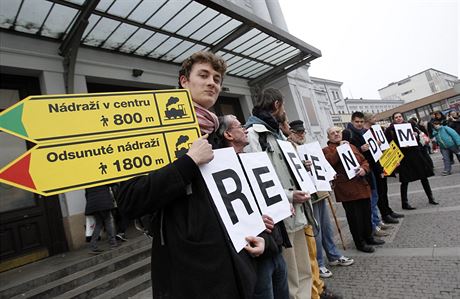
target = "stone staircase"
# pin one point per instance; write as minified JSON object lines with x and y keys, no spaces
{"x":116,"y":273}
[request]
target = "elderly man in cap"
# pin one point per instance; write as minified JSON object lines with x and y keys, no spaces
{"x":297,"y":137}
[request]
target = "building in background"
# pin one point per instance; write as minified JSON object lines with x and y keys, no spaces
{"x":371,"y":105}
{"x":443,"y":101}
{"x":418,"y":86}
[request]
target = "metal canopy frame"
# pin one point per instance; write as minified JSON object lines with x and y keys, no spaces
{"x":163,"y":31}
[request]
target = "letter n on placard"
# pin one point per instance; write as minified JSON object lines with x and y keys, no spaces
{"x":348,"y":158}
{"x":232,"y":196}
{"x":266,"y":185}
{"x":405,"y":135}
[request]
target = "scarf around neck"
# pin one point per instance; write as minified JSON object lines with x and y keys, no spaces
{"x":207,"y":120}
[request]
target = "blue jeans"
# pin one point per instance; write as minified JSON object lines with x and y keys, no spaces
{"x":445,"y":152}
{"x":375,"y":219}
{"x":325,"y":237}
{"x":272,"y":282}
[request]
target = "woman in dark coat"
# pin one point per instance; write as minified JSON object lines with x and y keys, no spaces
{"x":354,"y":194}
{"x":414,"y":166}
{"x":99,"y":203}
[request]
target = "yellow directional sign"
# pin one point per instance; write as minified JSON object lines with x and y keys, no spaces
{"x":45,"y":119}
{"x":56,"y":168}
{"x":391,"y":158}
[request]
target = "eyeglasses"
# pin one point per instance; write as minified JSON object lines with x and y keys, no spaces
{"x":237,"y":127}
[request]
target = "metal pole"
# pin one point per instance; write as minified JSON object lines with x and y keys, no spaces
{"x":336,"y":222}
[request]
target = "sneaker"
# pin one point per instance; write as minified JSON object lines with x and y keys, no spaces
{"x":121,"y":237}
{"x":384,"y":226}
{"x":444,"y":173}
{"x":342,"y":261}
{"x":380,"y":233}
{"x":324,"y":272}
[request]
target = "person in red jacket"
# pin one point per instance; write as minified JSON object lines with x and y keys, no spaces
{"x":354,"y":194}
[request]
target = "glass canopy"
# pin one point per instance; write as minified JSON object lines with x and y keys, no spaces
{"x":167,"y":31}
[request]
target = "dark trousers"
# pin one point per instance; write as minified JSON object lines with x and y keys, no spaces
{"x":358,"y":214}
{"x":426,"y":187}
{"x":382,"y":190}
{"x":103,"y":218}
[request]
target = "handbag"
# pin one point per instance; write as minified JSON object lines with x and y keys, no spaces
{"x":423,"y":139}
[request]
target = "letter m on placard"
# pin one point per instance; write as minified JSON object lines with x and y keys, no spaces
{"x":407,"y":137}
{"x":348,"y":158}
{"x":219,"y":178}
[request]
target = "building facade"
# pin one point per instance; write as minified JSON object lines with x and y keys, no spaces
{"x":418,"y":86}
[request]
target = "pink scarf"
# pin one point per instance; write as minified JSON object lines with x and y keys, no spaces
{"x":206,"y":119}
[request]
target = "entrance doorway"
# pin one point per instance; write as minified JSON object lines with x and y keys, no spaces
{"x":31,"y":226}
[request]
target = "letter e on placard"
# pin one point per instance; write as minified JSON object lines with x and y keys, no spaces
{"x":319,"y":166}
{"x":405,"y":135}
{"x":232,"y":196}
{"x":349,"y":161}
{"x":296,"y":166}
{"x":373,"y":145}
{"x":266,"y":185}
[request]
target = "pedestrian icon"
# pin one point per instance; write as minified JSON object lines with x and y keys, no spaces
{"x":103,"y":168}
{"x":105,"y":121}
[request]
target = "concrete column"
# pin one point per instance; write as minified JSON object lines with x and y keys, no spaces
{"x":259,"y":8}
{"x":52,"y":82}
{"x":73,"y":203}
{"x":276,"y":14}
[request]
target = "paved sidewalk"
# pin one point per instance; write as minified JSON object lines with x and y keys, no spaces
{"x":421,"y":257}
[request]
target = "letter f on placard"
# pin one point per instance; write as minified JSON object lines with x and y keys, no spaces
{"x":219,"y":178}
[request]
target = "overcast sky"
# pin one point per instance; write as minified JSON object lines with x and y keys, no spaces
{"x":367,"y":44}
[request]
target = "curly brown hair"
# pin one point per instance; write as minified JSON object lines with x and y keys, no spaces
{"x":217,"y":63}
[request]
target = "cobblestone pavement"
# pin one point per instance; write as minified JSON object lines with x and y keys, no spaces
{"x":421,"y":257}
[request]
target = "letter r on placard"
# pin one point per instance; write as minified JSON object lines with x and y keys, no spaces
{"x":219,"y":178}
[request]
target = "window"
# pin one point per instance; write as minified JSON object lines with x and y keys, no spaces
{"x":310,"y":111}
{"x":407,"y":92}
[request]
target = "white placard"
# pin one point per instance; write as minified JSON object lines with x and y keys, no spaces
{"x":232,"y":196}
{"x":373,"y":145}
{"x":349,"y":161}
{"x":266,"y":185}
{"x":405,"y":135}
{"x":297,"y":168}
{"x":319,"y":168}
{"x":380,"y":136}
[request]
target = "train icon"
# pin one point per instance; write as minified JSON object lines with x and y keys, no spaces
{"x":175,"y":112}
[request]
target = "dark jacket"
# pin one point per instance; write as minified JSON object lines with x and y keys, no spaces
{"x":98,"y":199}
{"x":355,"y":137}
{"x":345,"y":189}
{"x":192,"y":256}
{"x":416,"y":163}
{"x":454,"y":124}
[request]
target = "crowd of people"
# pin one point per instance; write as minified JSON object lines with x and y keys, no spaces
{"x":192,"y":256}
